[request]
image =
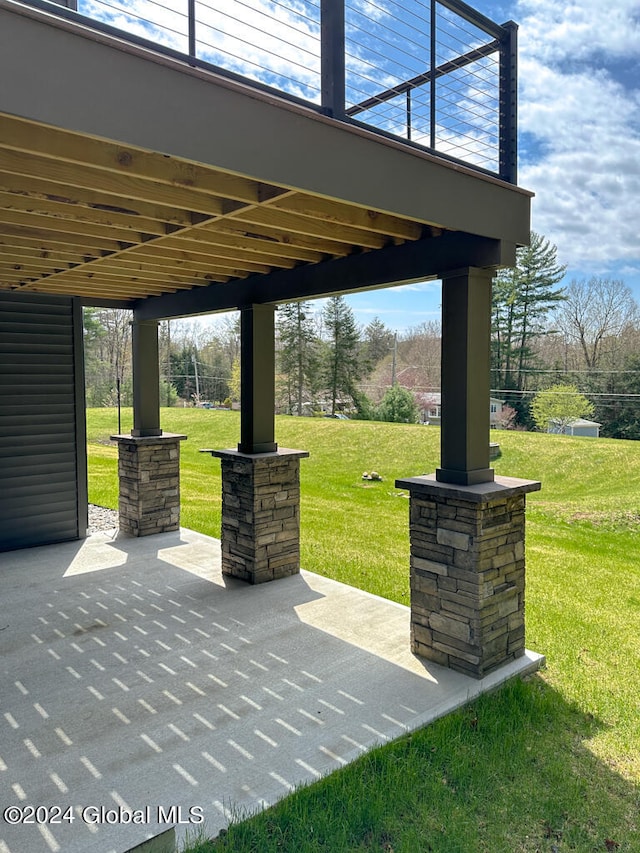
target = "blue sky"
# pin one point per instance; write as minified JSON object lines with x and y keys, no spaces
{"x":579,"y":122}
{"x":579,"y":113}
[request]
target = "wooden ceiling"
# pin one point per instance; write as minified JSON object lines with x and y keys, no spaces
{"x":91,"y":218}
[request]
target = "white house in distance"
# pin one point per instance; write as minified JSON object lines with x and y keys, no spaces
{"x":432,"y":409}
{"x":578,"y":427}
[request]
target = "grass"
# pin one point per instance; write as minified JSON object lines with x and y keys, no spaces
{"x":550,"y":764}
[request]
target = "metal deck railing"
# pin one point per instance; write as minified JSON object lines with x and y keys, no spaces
{"x":435,"y":73}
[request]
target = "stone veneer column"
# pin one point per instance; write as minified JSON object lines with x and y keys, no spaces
{"x":260,"y":513}
{"x":467,"y":571}
{"x":149,"y":477}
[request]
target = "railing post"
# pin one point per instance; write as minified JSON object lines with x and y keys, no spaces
{"x":332,"y":57}
{"x":191,"y":12}
{"x":509,"y":103}
{"x":433,"y":47}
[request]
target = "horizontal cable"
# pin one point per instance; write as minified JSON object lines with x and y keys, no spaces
{"x":234,"y":37}
{"x":145,"y":23}
{"x":279,"y":21}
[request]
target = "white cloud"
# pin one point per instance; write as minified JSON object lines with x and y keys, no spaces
{"x":276,"y":44}
{"x":578,"y":29}
{"x":581,"y":111}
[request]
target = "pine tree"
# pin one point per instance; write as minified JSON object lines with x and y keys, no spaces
{"x":377,"y":344}
{"x":298,"y":356}
{"x":522,"y":298}
{"x":341,"y":367}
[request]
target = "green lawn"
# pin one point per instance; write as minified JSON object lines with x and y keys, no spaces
{"x":551,"y":764}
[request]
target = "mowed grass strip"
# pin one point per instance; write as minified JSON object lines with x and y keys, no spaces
{"x":551,"y":764}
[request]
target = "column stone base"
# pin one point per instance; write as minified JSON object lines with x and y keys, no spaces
{"x":260,"y":513}
{"x":467,"y":571}
{"x":149,"y":478}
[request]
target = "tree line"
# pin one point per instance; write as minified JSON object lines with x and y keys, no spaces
{"x":326,"y":363}
{"x":584,"y":335}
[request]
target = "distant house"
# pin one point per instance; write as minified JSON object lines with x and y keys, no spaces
{"x":432,"y":409}
{"x":578,"y":427}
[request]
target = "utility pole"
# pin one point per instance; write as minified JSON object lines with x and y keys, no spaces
{"x":168,"y":363}
{"x":393,"y":364}
{"x":195,"y":367}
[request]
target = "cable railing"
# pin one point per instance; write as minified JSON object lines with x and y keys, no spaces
{"x":435,"y":73}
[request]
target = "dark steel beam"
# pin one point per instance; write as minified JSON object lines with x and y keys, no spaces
{"x":415,"y":261}
{"x":257,"y":377}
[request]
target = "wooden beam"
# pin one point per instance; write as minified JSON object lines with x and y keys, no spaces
{"x":69,"y":226}
{"x":323,"y":246}
{"x":245,"y":241}
{"x":46,"y":248}
{"x":64,"y":146}
{"x":310,"y":227}
{"x":120,"y":186}
{"x":28,"y":254}
{"x":142,"y":281}
{"x":39,"y":188}
{"x":47,"y":237}
{"x":64,"y":212}
{"x":200,"y":260}
{"x":344,"y":214}
{"x":153,"y":263}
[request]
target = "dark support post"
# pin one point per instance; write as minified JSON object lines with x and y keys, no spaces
{"x":148,"y":459}
{"x":257,"y":370}
{"x":509,"y":103}
{"x":466,"y":340}
{"x":146,"y":379}
{"x":332,"y":61}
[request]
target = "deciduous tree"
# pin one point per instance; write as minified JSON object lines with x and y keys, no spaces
{"x":594,"y":314}
{"x":398,"y":406}
{"x":559,"y":406}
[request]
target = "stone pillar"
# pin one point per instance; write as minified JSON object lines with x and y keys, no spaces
{"x":467,"y":571}
{"x":260,"y":513}
{"x":149,"y":476}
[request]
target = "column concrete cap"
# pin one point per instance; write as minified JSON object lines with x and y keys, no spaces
{"x":148,"y":439}
{"x":501,"y":487}
{"x":236,"y":454}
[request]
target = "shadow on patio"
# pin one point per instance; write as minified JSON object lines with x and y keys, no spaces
{"x":135,"y":676}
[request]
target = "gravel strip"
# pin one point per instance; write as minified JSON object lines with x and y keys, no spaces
{"x":101,"y":518}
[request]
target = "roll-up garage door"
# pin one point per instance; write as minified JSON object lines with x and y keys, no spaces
{"x":42,"y":433}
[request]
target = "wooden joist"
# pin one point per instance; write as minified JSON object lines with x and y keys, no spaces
{"x":87,"y":216}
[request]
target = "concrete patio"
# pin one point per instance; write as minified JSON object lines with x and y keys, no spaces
{"x":135,"y":676}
